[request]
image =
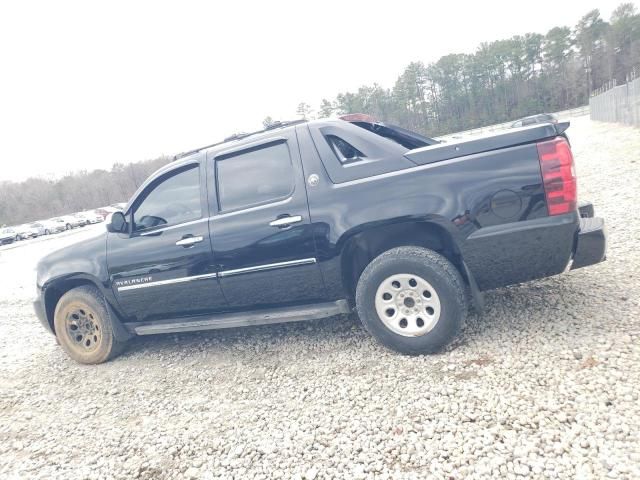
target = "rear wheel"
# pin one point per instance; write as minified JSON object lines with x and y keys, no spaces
{"x":46,"y":232}
{"x":68,"y":227}
{"x":412,"y":300}
{"x":84,"y":327}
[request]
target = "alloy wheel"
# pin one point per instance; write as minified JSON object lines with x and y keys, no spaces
{"x":408,"y":305}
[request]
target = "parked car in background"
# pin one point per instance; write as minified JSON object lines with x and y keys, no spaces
{"x":38,"y":228}
{"x":89,"y":217}
{"x":105,"y":211}
{"x":53,"y":225}
{"x":70,"y":221}
{"x":7,"y":235}
{"x":25,"y":231}
{"x":82,"y":220}
{"x":533,"y":119}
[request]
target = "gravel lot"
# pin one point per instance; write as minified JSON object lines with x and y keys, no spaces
{"x":545,"y":384}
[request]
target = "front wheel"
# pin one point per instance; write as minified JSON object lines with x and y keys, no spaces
{"x":84,"y":327}
{"x":412,"y":300}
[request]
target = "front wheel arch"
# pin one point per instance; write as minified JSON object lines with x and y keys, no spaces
{"x":86,"y":326}
{"x":55,"y":291}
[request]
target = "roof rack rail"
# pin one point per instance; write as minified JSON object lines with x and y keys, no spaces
{"x":239,"y":136}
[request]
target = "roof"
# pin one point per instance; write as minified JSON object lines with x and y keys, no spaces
{"x":241,"y":136}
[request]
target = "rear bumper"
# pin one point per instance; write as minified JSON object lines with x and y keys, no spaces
{"x":518,"y":252}
{"x":591,"y":243}
{"x":586,"y":209}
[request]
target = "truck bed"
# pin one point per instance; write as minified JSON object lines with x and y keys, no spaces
{"x":484,"y":143}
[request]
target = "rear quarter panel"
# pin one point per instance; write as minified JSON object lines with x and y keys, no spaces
{"x":463,"y":195}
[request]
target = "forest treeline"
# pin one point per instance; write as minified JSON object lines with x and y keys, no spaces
{"x":504,"y":79}
{"x":501,"y":81}
{"x":40,"y":198}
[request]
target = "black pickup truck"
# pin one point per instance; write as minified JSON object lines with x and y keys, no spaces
{"x":311,"y":219}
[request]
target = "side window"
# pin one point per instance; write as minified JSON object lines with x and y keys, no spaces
{"x":345,"y":152}
{"x":174,"y":200}
{"x":254,"y":176}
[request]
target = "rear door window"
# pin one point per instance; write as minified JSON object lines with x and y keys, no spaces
{"x":251,"y":177}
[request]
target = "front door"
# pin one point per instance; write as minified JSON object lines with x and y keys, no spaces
{"x":163,"y":266}
{"x":263,"y":239}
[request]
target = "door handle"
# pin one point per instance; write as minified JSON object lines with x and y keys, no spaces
{"x":189,"y":241}
{"x":285,"y":221}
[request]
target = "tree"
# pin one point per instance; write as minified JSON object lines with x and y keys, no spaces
{"x":624,"y":40}
{"x":533,"y":53}
{"x":590,"y":40}
{"x":326,"y":108}
{"x":39,"y":198}
{"x":304,"y":110}
{"x":267,"y":122}
{"x":504,"y":79}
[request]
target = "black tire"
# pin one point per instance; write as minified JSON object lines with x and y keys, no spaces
{"x":437,"y":271}
{"x":46,"y":232}
{"x":92,"y":340}
{"x":68,"y":226}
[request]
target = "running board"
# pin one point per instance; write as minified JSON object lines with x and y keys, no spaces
{"x":242,"y":319}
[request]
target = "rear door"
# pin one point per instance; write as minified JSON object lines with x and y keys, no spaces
{"x":262,"y":237}
{"x":163,"y":267}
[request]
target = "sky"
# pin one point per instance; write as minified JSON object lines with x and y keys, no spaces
{"x":84,"y":84}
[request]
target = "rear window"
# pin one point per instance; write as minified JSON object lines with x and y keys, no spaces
{"x":401,"y":136}
{"x":345,"y":152}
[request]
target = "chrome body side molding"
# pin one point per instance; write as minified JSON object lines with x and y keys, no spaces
{"x":170,"y":281}
{"x":226,"y":273}
{"x":268,"y":266}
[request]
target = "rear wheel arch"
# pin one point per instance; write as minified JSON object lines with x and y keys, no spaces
{"x":412,"y":300}
{"x":362,"y":248}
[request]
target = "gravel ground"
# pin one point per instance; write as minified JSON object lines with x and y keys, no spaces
{"x":544,"y":384}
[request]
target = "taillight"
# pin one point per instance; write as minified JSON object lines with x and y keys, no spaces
{"x":558,"y":175}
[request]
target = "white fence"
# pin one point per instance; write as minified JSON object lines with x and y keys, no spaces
{"x":620,"y":104}
{"x":562,"y":115}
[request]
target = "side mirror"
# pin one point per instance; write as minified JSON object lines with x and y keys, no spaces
{"x":116,"y":223}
